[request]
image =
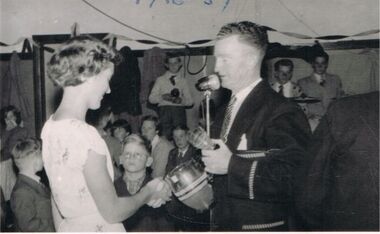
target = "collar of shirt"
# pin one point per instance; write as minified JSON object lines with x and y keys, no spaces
{"x":240,"y":97}
{"x":155,"y":140}
{"x":183,"y":151}
{"x":133,"y":186}
{"x":276,"y":85}
{"x":319,"y":78}
{"x":168,"y":75}
{"x":33,"y":177}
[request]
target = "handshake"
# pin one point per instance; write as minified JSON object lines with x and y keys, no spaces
{"x":159,"y":191}
{"x":173,"y":96}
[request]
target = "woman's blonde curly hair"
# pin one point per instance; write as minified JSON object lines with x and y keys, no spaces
{"x":79,"y":59}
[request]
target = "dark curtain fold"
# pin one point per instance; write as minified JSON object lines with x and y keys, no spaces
{"x":126,"y":85}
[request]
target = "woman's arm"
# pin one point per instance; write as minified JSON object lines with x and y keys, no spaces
{"x":57,"y":217}
{"x":113,"y":208}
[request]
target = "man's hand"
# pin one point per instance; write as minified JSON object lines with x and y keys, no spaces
{"x":177,"y":100}
{"x":167,"y":97}
{"x":216,"y":161}
{"x":161,"y":192}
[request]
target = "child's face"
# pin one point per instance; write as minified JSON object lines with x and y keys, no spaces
{"x":37,"y":161}
{"x":174,"y":64}
{"x":134,"y":157}
{"x":10,"y":119}
{"x":120,"y":134}
{"x":180,"y":138}
{"x":148,"y":130}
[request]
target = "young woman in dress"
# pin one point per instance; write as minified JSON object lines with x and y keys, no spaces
{"x":75,"y":156}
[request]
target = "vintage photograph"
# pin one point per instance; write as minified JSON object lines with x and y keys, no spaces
{"x":189,"y":115}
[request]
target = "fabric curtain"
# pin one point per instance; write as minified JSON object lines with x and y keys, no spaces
{"x":14,"y":89}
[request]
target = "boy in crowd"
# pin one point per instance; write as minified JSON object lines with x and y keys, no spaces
{"x":160,"y":146}
{"x":30,"y":199}
{"x":172,"y":94}
{"x":135,"y":159}
{"x":120,"y":129}
{"x":185,"y":218}
{"x":283,"y":84}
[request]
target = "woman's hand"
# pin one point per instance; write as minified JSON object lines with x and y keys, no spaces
{"x":161,"y":192}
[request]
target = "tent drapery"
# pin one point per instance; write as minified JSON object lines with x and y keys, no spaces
{"x":13,"y":91}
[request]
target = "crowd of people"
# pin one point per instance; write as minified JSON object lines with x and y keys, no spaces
{"x":279,"y":165}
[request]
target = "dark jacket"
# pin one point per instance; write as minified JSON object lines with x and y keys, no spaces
{"x":256,"y":193}
{"x":339,"y":185}
{"x":31,"y":205}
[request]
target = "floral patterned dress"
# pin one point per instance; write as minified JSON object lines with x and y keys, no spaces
{"x":65,"y":146}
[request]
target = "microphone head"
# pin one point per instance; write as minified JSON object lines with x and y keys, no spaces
{"x":213,"y":82}
{"x":210,"y":82}
{"x":199,"y":139}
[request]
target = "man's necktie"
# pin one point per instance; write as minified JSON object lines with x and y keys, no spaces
{"x":281,"y":90}
{"x":180,"y":155}
{"x":322,"y":83}
{"x":172,"y":80}
{"x":227,"y":119}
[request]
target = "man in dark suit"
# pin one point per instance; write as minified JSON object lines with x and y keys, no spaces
{"x":262,"y":138}
{"x":339,"y":184}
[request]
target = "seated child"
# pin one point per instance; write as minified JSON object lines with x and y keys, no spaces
{"x":184,"y":217}
{"x":30,"y":200}
{"x":102,"y":119}
{"x":120,"y":129}
{"x":135,"y":159}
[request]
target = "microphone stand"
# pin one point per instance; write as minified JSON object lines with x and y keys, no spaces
{"x":208,"y":94}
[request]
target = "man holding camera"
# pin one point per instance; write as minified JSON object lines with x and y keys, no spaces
{"x":172,"y":94}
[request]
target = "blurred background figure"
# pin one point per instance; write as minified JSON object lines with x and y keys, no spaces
{"x":184,"y":217}
{"x":283,"y":73}
{"x":172,"y":94}
{"x":160,"y":146}
{"x":338,"y":186}
{"x":102,"y":120}
{"x":320,"y":85}
{"x":12,"y":130}
{"x":120,"y":129}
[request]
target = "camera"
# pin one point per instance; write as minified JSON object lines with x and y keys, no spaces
{"x":174,"y":93}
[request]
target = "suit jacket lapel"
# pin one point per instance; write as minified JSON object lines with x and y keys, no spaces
{"x":40,"y":188}
{"x":246,"y":114}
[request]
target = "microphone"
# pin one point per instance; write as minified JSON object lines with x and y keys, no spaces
{"x":210,"y":82}
{"x":199,"y":139}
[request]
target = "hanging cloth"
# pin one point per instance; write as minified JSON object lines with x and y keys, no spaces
{"x":14,"y":89}
{"x":125,"y":85}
